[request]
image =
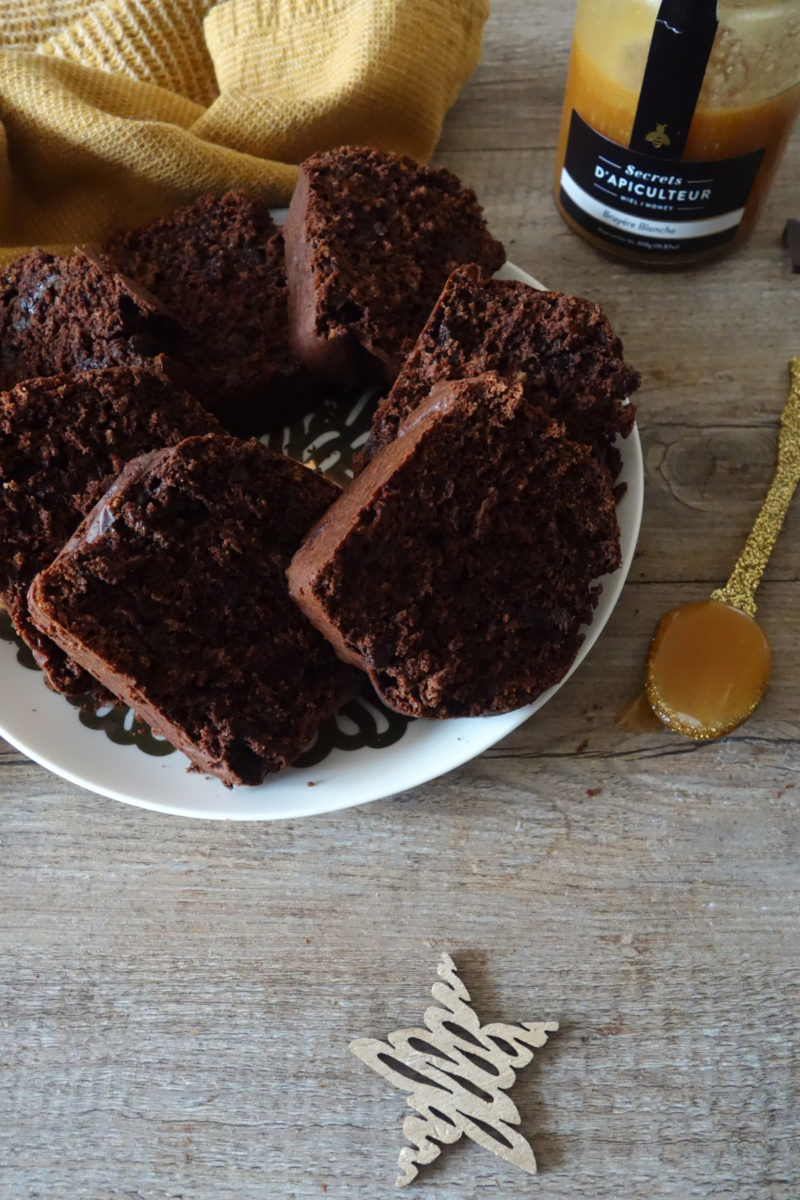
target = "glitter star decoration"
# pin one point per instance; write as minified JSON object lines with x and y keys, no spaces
{"x":457,"y":1073}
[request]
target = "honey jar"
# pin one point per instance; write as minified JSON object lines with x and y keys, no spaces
{"x":675,"y":118}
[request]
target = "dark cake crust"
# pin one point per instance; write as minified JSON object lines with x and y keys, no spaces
{"x":63,"y":313}
{"x":219,"y":264}
{"x":562,"y":348}
{"x":173,"y":593}
{"x":333,"y":352}
{"x":62,"y":440}
{"x":371,"y":238}
{"x":458,"y":567}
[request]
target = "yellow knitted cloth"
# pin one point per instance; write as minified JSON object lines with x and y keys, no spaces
{"x":115,"y":110}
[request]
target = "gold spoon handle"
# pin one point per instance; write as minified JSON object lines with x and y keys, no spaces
{"x":746,"y":575}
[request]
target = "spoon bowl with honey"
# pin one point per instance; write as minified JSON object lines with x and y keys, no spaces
{"x":709,"y":662}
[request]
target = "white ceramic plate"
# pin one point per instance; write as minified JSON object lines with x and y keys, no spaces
{"x":93,"y":753}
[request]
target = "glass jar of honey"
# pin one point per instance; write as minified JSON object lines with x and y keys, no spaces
{"x":675,"y":117}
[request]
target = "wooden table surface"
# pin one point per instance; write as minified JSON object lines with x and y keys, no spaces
{"x":178,"y":996}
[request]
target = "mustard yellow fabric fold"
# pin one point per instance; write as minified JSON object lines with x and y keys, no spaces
{"x":114,"y":110}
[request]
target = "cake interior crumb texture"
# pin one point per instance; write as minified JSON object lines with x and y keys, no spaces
{"x":62,"y":441}
{"x":219,"y":265}
{"x":174,"y":594}
{"x":68,"y":312}
{"x":459,"y":566}
{"x":383,"y":234}
{"x":562,"y":348}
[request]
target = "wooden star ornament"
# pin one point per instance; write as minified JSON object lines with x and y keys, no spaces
{"x":456,"y":1072}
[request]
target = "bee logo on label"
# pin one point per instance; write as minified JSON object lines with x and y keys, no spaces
{"x":659,"y":137}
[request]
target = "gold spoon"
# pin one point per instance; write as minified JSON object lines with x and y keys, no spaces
{"x":709,"y":663}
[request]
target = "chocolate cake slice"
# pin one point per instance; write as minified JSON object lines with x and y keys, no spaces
{"x":458,"y":568}
{"x":62,"y":441}
{"x":173,"y":594}
{"x":219,"y":264}
{"x":69,"y":312}
{"x":561,"y":348}
{"x":370,"y":240}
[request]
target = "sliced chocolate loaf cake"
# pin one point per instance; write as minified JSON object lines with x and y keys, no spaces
{"x":69,"y":312}
{"x":219,"y":265}
{"x":458,"y":567}
{"x":561,"y":348}
{"x":62,"y":441}
{"x":173,"y":594}
{"x":370,"y":240}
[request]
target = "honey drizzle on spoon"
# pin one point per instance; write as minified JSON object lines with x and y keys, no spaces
{"x":709,"y":663}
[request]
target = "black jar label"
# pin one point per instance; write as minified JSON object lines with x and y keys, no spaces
{"x":651,"y":202}
{"x":680,"y":48}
